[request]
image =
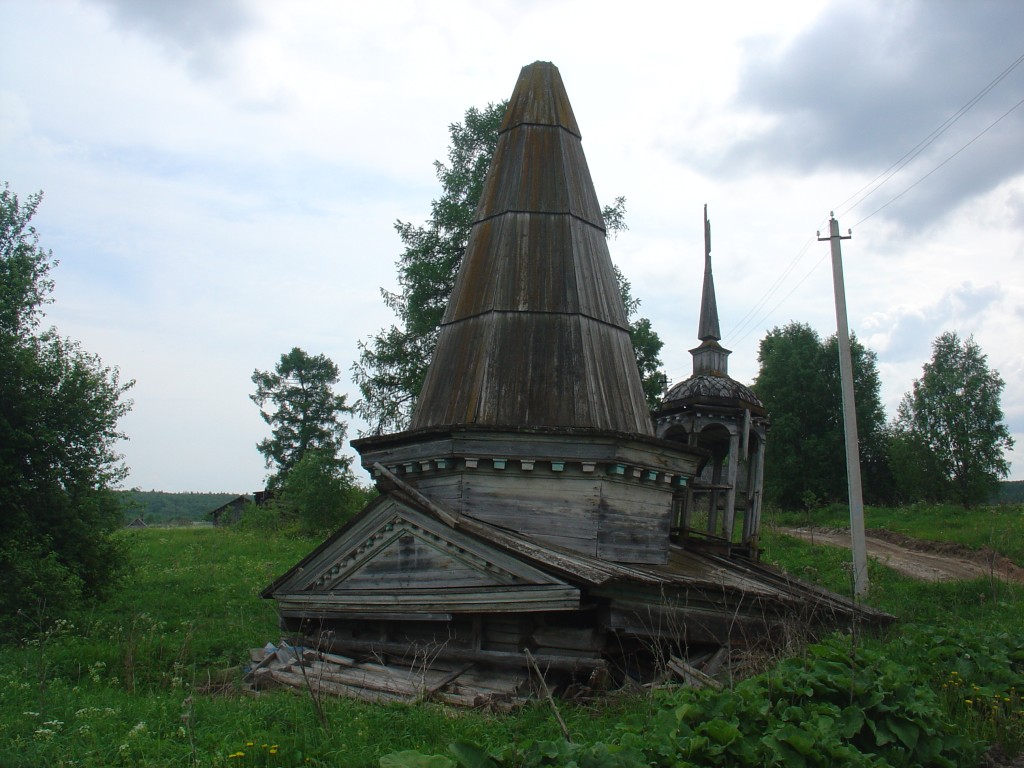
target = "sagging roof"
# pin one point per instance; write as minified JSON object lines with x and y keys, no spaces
{"x":343,"y":574}
{"x":535,"y":333}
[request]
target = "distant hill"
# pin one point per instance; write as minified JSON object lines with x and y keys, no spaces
{"x":161,"y":508}
{"x":1011,"y":492}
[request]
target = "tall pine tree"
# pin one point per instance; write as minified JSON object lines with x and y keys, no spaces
{"x":304,"y":413}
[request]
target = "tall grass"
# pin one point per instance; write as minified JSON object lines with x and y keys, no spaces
{"x":135,"y":681}
{"x":119,"y":683}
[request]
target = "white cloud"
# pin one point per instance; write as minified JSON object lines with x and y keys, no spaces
{"x":222,"y":178}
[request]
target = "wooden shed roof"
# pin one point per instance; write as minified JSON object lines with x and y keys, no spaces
{"x":535,"y":333}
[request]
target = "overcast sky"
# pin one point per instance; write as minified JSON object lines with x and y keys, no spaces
{"x":222,"y":177}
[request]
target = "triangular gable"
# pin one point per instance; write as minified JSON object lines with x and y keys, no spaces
{"x":393,"y":558}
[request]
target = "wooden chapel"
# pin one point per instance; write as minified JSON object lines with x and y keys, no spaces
{"x":530,"y":515}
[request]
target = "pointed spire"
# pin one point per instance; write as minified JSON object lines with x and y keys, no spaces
{"x":710,"y":357}
{"x":708,"y":328}
{"x":535,"y":334}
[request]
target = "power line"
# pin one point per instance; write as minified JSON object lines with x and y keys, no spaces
{"x":783,"y":300}
{"x":933,"y":170}
{"x":927,"y":141}
{"x":750,"y":320}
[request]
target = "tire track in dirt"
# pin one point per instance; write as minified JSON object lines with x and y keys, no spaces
{"x":924,"y":560}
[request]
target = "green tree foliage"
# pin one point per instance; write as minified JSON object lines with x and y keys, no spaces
{"x":392,"y":365}
{"x":304,"y":415}
{"x":646,"y":342}
{"x":59,"y":409}
{"x":917,"y":475}
{"x":953,"y":418}
{"x":872,"y":432}
{"x":321,"y":493}
{"x":800,"y":386}
{"x":1011,"y":492}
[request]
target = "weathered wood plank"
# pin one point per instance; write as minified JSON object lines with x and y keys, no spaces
{"x":437,"y":685}
{"x":297,"y":681}
{"x":691,"y":675}
{"x":555,"y":510}
{"x":716,"y":661}
{"x":585,"y":639}
{"x":489,"y":600}
{"x":460,"y":654}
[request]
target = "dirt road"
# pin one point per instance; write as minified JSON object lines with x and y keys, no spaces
{"x":925,"y":560}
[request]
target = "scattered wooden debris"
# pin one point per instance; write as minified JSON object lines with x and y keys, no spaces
{"x":715,"y":662}
{"x":321,"y":672}
{"x":690,"y":675}
{"x":459,"y":682}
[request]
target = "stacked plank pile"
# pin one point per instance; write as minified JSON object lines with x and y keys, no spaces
{"x":464,"y":684}
{"x":322,"y":673}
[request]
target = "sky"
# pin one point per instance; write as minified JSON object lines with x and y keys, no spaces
{"x":221,"y":179}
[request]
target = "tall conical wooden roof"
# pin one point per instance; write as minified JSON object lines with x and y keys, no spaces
{"x":535,"y":333}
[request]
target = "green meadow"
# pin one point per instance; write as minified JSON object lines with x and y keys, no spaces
{"x":151,"y":677}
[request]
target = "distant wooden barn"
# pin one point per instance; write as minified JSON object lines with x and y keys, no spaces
{"x":535,"y":512}
{"x":138,"y":522}
{"x":230,"y":512}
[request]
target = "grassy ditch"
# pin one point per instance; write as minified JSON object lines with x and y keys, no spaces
{"x":148,"y":679}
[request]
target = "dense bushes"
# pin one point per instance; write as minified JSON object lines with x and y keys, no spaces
{"x":59,"y":408}
{"x":838,"y":704}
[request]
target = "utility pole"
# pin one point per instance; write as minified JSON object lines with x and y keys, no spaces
{"x":860,"y":557}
